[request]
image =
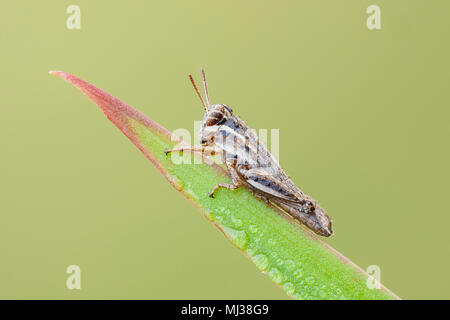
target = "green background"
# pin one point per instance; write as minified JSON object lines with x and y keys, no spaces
{"x":364,"y":128}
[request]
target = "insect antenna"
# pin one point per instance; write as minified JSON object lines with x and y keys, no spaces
{"x":198,"y":92}
{"x":205,"y":86}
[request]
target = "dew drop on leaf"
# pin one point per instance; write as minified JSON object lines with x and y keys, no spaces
{"x":261,"y":261}
{"x":276,"y":275}
{"x":289,"y":288}
{"x":252,"y":228}
{"x":238,"y":237}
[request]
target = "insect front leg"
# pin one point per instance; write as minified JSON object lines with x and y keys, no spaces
{"x":234,"y":178}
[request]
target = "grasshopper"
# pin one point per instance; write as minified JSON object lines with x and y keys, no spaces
{"x":250,"y":164}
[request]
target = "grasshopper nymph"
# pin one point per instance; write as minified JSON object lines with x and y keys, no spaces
{"x":250,"y":164}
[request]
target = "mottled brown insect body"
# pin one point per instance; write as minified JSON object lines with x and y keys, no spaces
{"x":251,"y":164}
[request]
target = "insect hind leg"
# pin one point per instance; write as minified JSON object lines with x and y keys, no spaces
{"x":260,"y":196}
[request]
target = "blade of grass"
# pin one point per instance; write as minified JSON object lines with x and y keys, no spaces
{"x":298,"y":261}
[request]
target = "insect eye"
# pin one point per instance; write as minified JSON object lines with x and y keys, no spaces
{"x":215,"y":121}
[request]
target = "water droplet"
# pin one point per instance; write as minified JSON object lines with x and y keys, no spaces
{"x":239,"y":238}
{"x":276,"y":275}
{"x":298,"y":296}
{"x":310,"y":280}
{"x":290,"y":265}
{"x":236,"y":222}
{"x":250,"y":252}
{"x":218,"y":219}
{"x":253,"y":229}
{"x":275,"y":257}
{"x":289,"y":288}
{"x":299,"y":273}
{"x":315,"y":293}
{"x":322,"y":294}
{"x":304,"y":289}
{"x":261,"y":261}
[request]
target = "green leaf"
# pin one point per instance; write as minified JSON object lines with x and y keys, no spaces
{"x":298,"y":261}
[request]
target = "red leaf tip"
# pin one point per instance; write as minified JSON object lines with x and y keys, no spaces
{"x":58,"y":73}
